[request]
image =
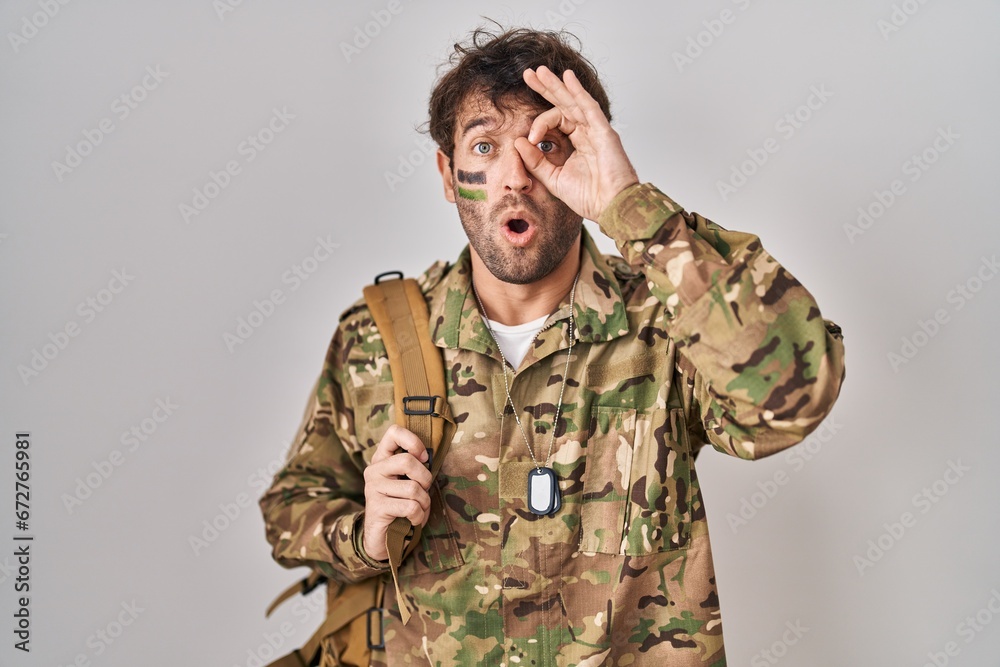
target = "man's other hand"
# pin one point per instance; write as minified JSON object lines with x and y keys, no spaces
{"x":598,"y":169}
{"x":396,"y":484}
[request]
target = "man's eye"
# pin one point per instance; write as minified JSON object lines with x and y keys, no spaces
{"x":482,"y":148}
{"x":546,"y":146}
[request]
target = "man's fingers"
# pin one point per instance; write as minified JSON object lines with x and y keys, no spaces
{"x":397,"y":438}
{"x":530,"y":77}
{"x":552,"y":88}
{"x":568,"y":95}
{"x":386,"y":500}
{"x":536,"y":163}
{"x":405,"y":489}
{"x":591,"y":110}
{"x":392,"y":509}
{"x":396,"y":484}
{"x":406,"y":508}
{"x":544,"y":82}
{"x":400,"y":465}
{"x":552,"y":119}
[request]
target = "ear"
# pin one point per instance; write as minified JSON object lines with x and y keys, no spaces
{"x":444,"y":166}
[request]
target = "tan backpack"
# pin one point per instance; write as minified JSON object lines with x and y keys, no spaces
{"x":353,"y":625}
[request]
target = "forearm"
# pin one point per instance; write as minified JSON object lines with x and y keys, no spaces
{"x":767,"y":367}
{"x":683,"y":255}
{"x":315,"y":503}
{"x":307,"y":525}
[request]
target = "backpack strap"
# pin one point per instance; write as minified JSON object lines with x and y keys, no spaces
{"x":420,"y":397}
{"x":400,"y":313}
{"x":304,"y":586}
{"x":352,"y":601}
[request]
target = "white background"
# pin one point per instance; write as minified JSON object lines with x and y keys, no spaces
{"x":685,"y":126}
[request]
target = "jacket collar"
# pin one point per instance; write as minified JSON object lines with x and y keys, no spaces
{"x":600,"y":310}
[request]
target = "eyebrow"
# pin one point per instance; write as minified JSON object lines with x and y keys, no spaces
{"x":489,"y":120}
{"x":475,"y":122}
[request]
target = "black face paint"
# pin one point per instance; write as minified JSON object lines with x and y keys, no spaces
{"x":472,"y":177}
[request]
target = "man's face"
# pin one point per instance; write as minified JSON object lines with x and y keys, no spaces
{"x":519,"y":230}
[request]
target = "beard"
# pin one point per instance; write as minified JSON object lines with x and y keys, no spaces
{"x":557,"y":230}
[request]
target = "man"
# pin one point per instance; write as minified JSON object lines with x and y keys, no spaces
{"x":566,"y":526}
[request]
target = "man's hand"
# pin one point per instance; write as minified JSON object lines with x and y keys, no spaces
{"x":396,"y":484}
{"x":598,"y":169}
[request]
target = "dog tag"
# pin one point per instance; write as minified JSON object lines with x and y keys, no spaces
{"x":543,"y":492}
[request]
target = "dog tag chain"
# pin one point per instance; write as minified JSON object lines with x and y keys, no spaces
{"x":543,"y":487}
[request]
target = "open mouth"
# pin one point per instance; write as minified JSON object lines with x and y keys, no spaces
{"x":517,"y":225}
{"x":518,"y":231}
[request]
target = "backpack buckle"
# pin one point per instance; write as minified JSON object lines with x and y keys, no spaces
{"x":381,"y":276}
{"x":381,"y":638}
{"x":430,"y":410}
{"x":308,"y":586}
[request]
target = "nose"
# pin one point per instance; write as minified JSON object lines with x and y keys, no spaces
{"x":515,"y":176}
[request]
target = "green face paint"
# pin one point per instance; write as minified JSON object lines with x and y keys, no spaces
{"x":476,"y":195}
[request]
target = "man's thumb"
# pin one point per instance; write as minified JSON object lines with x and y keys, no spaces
{"x":536,"y":163}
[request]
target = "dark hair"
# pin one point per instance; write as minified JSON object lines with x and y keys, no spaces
{"x":493,"y":64}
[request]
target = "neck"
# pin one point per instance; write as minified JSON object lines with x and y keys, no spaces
{"x":512,"y":304}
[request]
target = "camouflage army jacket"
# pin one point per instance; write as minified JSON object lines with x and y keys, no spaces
{"x":695,"y":336}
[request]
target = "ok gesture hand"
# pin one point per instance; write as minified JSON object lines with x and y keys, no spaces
{"x":598,"y":169}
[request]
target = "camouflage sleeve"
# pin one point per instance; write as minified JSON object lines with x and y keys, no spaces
{"x":765,"y":366}
{"x":313,"y":510}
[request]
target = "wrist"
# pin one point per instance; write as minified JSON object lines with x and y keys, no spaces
{"x":359,"y":545}
{"x":615,"y":203}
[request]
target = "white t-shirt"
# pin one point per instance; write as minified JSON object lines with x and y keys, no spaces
{"x":515,"y":340}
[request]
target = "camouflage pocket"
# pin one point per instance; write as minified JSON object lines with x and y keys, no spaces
{"x":636,"y":483}
{"x":659,"y":512}
{"x":606,"y":479}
